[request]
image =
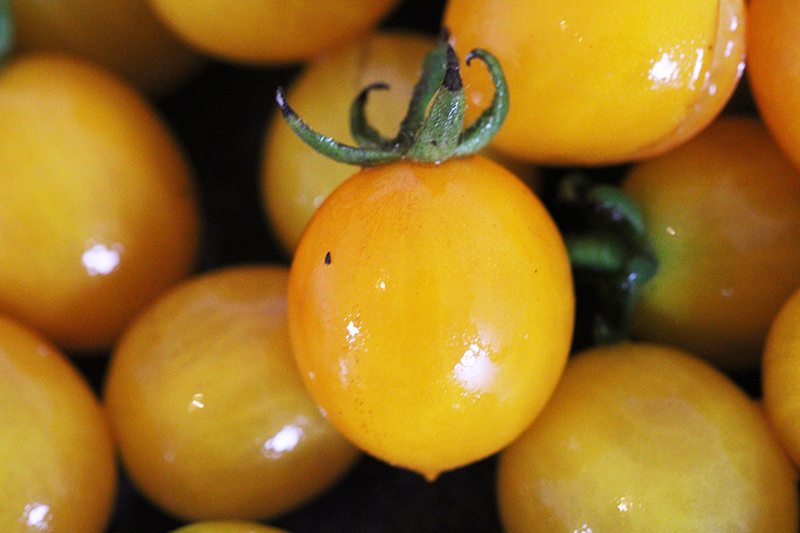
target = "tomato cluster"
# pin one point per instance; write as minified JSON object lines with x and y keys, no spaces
{"x":479,"y":266}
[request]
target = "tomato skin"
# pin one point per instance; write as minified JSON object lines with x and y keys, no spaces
{"x":773,"y":51}
{"x":596,"y":83}
{"x":227,"y":527}
{"x":99,"y":208}
{"x":780,"y":375}
{"x":728,"y":244}
{"x":59,"y":468}
{"x":212,"y":420}
{"x":431,"y":310}
{"x":123,"y":36}
{"x":645,"y":437}
{"x":271,"y":31}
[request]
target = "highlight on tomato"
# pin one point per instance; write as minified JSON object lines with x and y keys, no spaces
{"x":430,"y":297}
{"x":271,"y":31}
{"x":59,"y":468}
{"x":598,"y":83}
{"x":773,"y":51}
{"x":99,"y":207}
{"x":211,"y":417}
{"x":723,"y":217}
{"x":646,"y":437}
{"x":124,"y":37}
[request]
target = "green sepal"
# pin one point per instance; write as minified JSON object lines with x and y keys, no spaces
{"x":7,"y":30}
{"x":433,"y":128}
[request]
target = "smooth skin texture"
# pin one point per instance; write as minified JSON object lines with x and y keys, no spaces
{"x":595,"y":83}
{"x":295,"y":178}
{"x":212,"y":418}
{"x":781,"y":376}
{"x":59,"y":470}
{"x":723,"y":217}
{"x":773,"y":53}
{"x":227,"y":527}
{"x":647,"y":438}
{"x":99,"y":208}
{"x":431,"y":310}
{"x":271,"y":31}
{"x":123,"y":36}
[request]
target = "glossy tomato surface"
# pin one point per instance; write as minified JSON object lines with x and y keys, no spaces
{"x":211,"y":416}
{"x":59,"y":470}
{"x":596,"y":83}
{"x":723,"y":216}
{"x":642,"y":437}
{"x":123,"y":36}
{"x":431,"y":310}
{"x":773,"y":41}
{"x":271,"y":31}
{"x":99,"y":209}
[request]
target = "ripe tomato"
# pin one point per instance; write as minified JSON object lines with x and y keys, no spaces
{"x":272,"y":31}
{"x":781,"y":373}
{"x":641,"y":437}
{"x":602,"y":82}
{"x":59,"y":468}
{"x":773,"y":53}
{"x":212,"y":419}
{"x":227,"y":527}
{"x":99,"y":213}
{"x":431,"y":310}
{"x":728,"y":244}
{"x":123,"y":36}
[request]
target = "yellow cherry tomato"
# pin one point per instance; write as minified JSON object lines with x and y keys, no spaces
{"x":602,"y":82}
{"x":59,"y":470}
{"x":271,"y":31}
{"x":227,"y":527}
{"x":431,"y":310}
{"x":723,"y":216}
{"x":773,"y":53}
{"x":641,"y":437}
{"x":781,"y":374}
{"x":211,"y":416}
{"x":98,"y":213}
{"x":295,"y":179}
{"x":123,"y":36}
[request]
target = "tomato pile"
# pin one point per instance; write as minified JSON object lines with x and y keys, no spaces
{"x":538,"y":270}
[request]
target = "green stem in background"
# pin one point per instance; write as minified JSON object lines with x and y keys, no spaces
{"x":433,"y":128}
{"x":6,"y":30}
{"x":612,"y":252}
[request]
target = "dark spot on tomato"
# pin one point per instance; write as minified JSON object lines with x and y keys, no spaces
{"x":328,"y":258}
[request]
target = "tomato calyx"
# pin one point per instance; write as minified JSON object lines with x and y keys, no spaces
{"x":433,"y":128}
{"x":6,"y":30}
{"x":608,"y":251}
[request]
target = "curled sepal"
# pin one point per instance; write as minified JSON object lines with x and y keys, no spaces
{"x":327,"y":146}
{"x":480,"y":132}
{"x":365,"y":135}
